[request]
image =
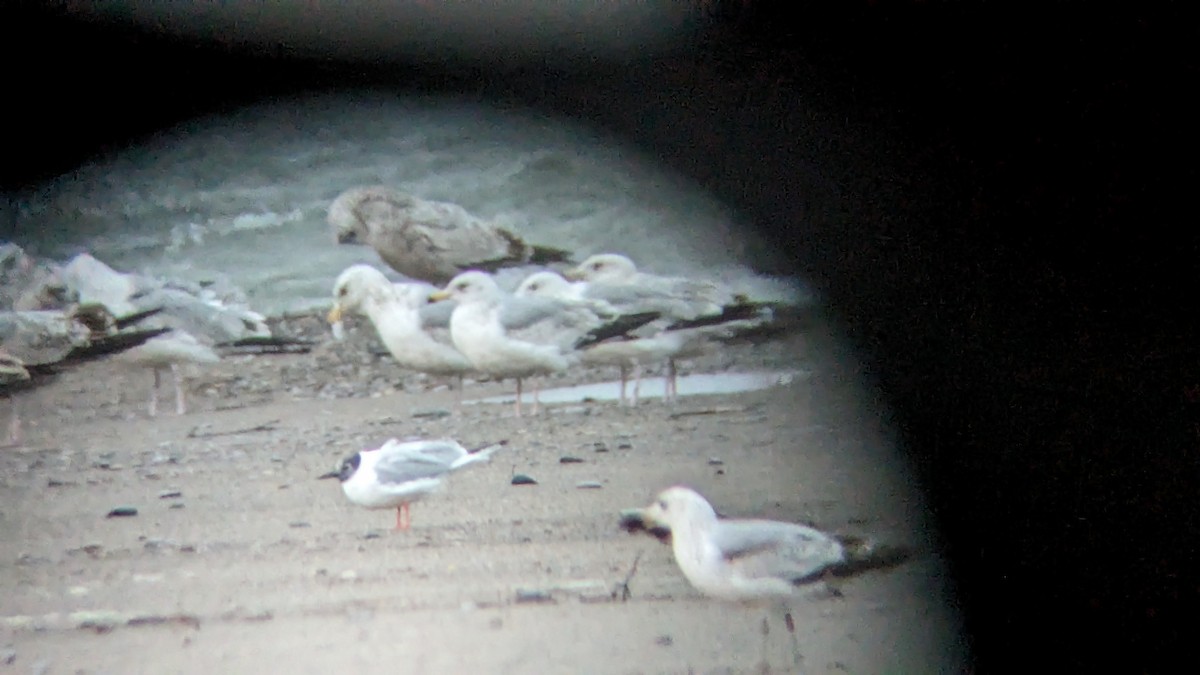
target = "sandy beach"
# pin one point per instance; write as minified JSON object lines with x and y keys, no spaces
{"x":239,"y":560}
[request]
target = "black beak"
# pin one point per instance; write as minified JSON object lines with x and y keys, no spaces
{"x":331,"y":474}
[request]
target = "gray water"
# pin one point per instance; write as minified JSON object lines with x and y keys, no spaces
{"x":699,"y":384}
{"x":244,"y":196}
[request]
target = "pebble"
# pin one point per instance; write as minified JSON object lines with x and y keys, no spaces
{"x":715,"y":461}
{"x":170,"y":494}
{"x":122,"y":512}
{"x":589,"y":485}
{"x":522,"y":479}
{"x":570,"y":460}
{"x":535,"y":595}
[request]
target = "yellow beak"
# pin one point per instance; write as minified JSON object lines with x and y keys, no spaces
{"x":573,"y":275}
{"x":438,"y":296}
{"x":335,"y":314}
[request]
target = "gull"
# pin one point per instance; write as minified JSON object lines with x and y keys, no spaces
{"x":740,"y":559}
{"x":687,"y":329}
{"x":613,"y":274}
{"x":403,"y":319}
{"x":655,"y":342}
{"x":520,"y":337}
{"x":397,"y":474}
{"x":428,"y":240}
{"x":36,"y":345}
{"x":752,"y":561}
{"x":168,"y":352}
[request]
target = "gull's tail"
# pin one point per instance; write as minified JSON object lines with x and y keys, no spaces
{"x":480,"y":454}
{"x":864,"y":554}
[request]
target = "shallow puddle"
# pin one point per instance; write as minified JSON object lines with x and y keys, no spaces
{"x":654,"y":387}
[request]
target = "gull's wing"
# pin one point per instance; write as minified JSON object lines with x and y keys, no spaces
{"x":445,"y":450}
{"x":767,"y":548}
{"x":666,"y":298}
{"x":402,"y":467}
{"x":437,"y":314}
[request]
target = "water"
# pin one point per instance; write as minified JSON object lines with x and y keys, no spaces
{"x":244,"y":195}
{"x":655,"y":387}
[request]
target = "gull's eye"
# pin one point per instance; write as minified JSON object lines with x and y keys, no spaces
{"x":342,"y":292}
{"x":662,"y":504}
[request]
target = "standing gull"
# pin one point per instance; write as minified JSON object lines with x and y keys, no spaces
{"x":169,"y":351}
{"x":397,"y":474}
{"x":752,"y":559}
{"x":613,"y":274}
{"x":698,"y":311}
{"x":403,"y":319}
{"x":427,"y":240}
{"x":653,"y":343}
{"x":520,"y":337}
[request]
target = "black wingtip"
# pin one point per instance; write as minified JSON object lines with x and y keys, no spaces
{"x":619,"y":326}
{"x":544,"y":255}
{"x":130,"y":319}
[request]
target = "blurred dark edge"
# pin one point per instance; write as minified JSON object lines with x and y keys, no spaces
{"x":1009,"y":253}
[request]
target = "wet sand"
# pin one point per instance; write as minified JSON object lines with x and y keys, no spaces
{"x":239,"y":560}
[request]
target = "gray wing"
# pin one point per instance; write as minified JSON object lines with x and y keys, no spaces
{"x":634,"y":297}
{"x":400,"y":468}
{"x":437,"y":314}
{"x":445,"y":451}
{"x":522,"y":312}
{"x":766,"y":548}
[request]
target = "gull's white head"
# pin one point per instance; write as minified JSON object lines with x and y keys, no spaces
{"x":678,"y":506}
{"x":354,"y":286}
{"x":544,"y":284}
{"x":605,"y":268}
{"x":468,"y":287}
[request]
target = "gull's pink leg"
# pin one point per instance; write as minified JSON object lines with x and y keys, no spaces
{"x":637,"y":382}
{"x":518,"y":397}
{"x":624,"y":378}
{"x":536,"y":389}
{"x":180,"y":403}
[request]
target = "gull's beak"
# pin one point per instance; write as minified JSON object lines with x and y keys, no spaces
{"x":335,"y":314}
{"x":331,"y":474}
{"x":633,"y":520}
{"x":573,"y":275}
{"x":438,"y":296}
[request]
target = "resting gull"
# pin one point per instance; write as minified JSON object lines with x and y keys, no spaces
{"x":397,"y":474}
{"x":428,"y":240}
{"x":520,"y":337}
{"x":403,"y":319}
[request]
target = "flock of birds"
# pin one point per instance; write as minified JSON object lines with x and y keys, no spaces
{"x":454,"y":319}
